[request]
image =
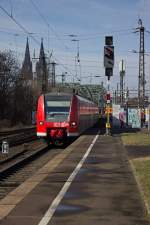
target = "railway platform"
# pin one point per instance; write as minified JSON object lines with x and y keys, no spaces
{"x":88,"y":183}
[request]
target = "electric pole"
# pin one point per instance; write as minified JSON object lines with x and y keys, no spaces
{"x":141,"y":77}
{"x":117,"y":93}
{"x":122,"y":75}
{"x":53,"y":75}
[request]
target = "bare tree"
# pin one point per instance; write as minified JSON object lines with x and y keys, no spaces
{"x":23,"y":104}
{"x":16,"y":93}
{"x":9,"y":72}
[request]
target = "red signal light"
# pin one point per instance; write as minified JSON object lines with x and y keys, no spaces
{"x":108,"y":97}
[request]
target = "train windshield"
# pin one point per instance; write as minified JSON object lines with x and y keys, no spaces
{"x":57,"y":109}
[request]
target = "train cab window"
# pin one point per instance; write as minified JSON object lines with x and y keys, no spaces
{"x":57,"y":110}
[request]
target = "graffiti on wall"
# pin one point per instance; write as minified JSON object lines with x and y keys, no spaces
{"x":134,"y":118}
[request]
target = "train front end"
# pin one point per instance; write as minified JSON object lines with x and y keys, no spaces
{"x":53,"y":117}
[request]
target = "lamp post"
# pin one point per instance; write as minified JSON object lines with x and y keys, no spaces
{"x":77,"y":57}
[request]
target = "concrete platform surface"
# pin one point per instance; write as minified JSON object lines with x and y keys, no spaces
{"x":103,"y":192}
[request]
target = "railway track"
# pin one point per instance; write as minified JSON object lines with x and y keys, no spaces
{"x":17,"y":137}
{"x":16,"y":170}
{"x":16,"y":131}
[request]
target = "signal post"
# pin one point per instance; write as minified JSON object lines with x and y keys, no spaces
{"x":108,"y":64}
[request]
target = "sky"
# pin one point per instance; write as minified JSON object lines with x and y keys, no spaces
{"x":91,"y":21}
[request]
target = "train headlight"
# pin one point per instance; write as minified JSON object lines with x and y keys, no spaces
{"x":41,"y":123}
{"x":73,"y":124}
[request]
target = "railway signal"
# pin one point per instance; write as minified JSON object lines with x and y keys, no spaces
{"x":108,"y":64}
{"x":108,"y":56}
{"x":108,"y":110}
{"x":108,"y":97}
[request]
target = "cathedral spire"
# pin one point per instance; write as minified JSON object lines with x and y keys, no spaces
{"x":41,"y":70}
{"x":27,"y":64}
{"x":27,"y":52}
{"x":42,"y":54}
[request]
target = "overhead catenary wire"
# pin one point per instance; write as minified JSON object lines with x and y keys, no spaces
{"x":31,"y":35}
{"x":57,"y":36}
{"x":52,"y":29}
{"x":26,"y":31}
{"x":84,"y":37}
{"x":48,"y":24}
{"x":102,"y":36}
{"x":99,"y":66}
{"x":19,"y":24}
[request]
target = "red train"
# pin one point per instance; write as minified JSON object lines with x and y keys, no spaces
{"x":62,"y":115}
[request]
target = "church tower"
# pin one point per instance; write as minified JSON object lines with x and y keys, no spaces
{"x":41,"y":71}
{"x":26,"y":70}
